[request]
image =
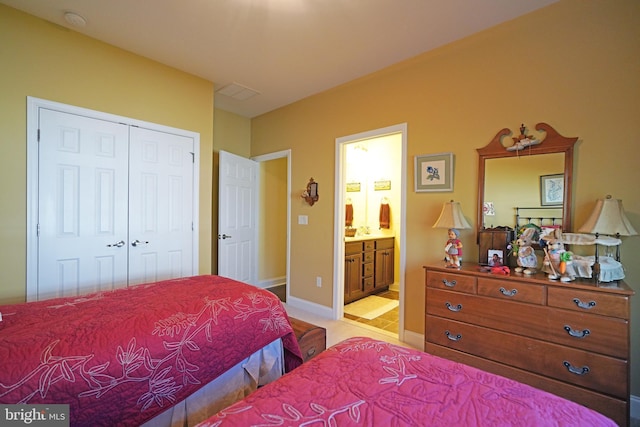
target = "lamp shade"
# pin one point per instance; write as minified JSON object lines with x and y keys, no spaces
{"x":608,"y":217}
{"x":451,"y":217}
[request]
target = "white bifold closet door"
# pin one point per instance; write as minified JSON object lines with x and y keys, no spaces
{"x":115,"y":205}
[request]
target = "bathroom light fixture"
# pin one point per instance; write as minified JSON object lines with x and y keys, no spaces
{"x":74,"y":19}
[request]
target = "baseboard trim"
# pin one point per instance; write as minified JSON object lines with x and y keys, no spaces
{"x":635,"y":406}
{"x":310,"y":307}
{"x":414,"y":339}
{"x":270,"y":283}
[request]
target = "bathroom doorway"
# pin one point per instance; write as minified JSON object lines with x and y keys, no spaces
{"x":370,"y":178}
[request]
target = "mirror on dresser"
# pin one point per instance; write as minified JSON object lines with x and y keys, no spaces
{"x":511,"y":170}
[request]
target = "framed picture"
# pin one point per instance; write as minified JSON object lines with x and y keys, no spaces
{"x":434,"y":172}
{"x":495,"y":257}
{"x":551,"y":190}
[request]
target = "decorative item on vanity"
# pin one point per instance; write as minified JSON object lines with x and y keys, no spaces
{"x":608,"y":218}
{"x":527,"y":260}
{"x":453,"y":220}
{"x":311,"y":193}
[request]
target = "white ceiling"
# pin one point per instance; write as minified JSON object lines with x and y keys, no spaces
{"x":284,"y":49}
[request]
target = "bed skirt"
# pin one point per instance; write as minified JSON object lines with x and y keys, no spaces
{"x":262,"y":367}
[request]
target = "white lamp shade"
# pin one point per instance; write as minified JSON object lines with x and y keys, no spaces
{"x":608,"y":217}
{"x":451,"y":217}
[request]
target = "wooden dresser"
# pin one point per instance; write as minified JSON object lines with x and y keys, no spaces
{"x":568,"y":339}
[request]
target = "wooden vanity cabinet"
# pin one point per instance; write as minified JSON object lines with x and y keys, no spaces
{"x":368,"y":267}
{"x":570,"y":339}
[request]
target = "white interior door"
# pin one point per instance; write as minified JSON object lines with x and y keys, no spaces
{"x":160,"y":206}
{"x":82,"y":204}
{"x":237,"y":229}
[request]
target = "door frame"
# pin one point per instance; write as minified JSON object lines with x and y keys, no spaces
{"x":273,"y":156}
{"x":338,"y":280}
{"x":33,"y":106}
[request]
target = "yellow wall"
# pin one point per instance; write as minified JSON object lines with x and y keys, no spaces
{"x":574,"y":65}
{"x":47,"y":61}
{"x":272,"y":222}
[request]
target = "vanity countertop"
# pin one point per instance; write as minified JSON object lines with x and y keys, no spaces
{"x":358,"y":238}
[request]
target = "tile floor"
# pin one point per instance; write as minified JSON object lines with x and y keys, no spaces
{"x":389,"y":321}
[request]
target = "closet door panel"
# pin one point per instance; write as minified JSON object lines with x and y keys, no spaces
{"x":160,"y":206}
{"x":82,"y":204}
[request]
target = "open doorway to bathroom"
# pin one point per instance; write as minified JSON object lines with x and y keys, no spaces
{"x":370,"y":204}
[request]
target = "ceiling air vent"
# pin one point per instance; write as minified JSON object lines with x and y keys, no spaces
{"x":237,"y":91}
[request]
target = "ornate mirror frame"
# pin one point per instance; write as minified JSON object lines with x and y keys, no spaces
{"x":553,"y":143}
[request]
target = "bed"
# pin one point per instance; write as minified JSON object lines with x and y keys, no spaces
{"x":137,"y":355}
{"x":366,"y":382}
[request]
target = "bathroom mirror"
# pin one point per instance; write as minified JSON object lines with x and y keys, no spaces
{"x":509,"y":176}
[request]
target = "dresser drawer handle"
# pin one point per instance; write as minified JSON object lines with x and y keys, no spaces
{"x":454,"y":308}
{"x":449,"y":284}
{"x":586,"y":305}
{"x":578,"y":371}
{"x":311,"y":351}
{"x":452,"y":337}
{"x":507,"y":293}
{"x":575,"y":333}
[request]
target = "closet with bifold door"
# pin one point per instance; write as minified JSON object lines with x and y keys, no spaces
{"x":111,"y":201}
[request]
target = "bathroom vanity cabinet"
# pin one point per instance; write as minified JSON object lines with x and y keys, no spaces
{"x":368,"y":267}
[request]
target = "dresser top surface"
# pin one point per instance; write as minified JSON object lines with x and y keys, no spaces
{"x":475,"y":270}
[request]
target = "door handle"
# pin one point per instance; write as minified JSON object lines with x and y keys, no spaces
{"x":138,"y":243}
{"x":120,"y":244}
{"x":224,"y":236}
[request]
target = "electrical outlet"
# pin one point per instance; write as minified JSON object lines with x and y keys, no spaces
{"x":319,"y":281}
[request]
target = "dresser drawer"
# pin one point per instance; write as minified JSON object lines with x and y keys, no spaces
{"x":606,"y":335}
{"x":513,"y":291}
{"x":452,"y":281}
{"x":369,"y":245}
{"x":596,"y":372}
{"x":589,"y":302}
{"x":367,"y":257}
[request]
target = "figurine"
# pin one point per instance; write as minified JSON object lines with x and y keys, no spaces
{"x":527,"y":260}
{"x":556,"y":258}
{"x":453,"y":249}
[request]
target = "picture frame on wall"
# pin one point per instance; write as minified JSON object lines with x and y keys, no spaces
{"x":552,"y":190}
{"x":434,"y":172}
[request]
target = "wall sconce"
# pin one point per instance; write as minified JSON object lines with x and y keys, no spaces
{"x":452,"y":219}
{"x":607,"y":218}
{"x":311,"y":193}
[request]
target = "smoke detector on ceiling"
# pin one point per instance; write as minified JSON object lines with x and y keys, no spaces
{"x":74,"y":19}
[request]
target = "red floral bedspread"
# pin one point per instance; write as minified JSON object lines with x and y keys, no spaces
{"x":122,"y":357}
{"x":363,"y":382}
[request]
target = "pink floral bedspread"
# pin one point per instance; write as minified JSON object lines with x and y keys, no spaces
{"x":363,"y":382}
{"x":122,"y":357}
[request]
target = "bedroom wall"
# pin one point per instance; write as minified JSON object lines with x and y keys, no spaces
{"x":47,"y":61}
{"x":574,"y":65}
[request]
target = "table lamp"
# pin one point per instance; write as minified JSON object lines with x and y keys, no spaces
{"x":608,"y":218}
{"x":452,"y":219}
